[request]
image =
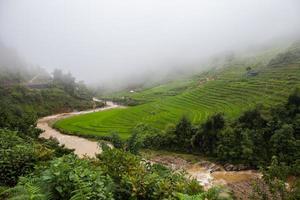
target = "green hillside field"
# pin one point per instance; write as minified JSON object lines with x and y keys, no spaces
{"x":228,"y":90}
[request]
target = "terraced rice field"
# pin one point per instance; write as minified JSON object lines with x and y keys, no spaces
{"x":231,"y":93}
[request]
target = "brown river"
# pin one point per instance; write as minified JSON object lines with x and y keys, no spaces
{"x":81,"y":145}
{"x":206,"y":173}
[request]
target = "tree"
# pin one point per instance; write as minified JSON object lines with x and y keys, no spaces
{"x":252,"y":119}
{"x":228,"y":147}
{"x":247,"y":147}
{"x":283,"y":144}
{"x":206,"y":138}
{"x":184,"y":133}
{"x":274,"y":187}
{"x":248,"y":68}
{"x":117,"y":141}
{"x":66,"y":81}
{"x":17,"y":157}
{"x":134,"y":143}
{"x":57,"y":75}
{"x":294,"y":98}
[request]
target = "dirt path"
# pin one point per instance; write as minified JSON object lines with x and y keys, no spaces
{"x":81,"y":145}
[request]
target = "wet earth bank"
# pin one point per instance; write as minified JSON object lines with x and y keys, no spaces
{"x":210,"y":174}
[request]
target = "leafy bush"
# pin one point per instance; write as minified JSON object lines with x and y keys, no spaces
{"x":215,"y":193}
{"x":69,"y":178}
{"x":27,"y":189}
{"x":274,"y":187}
{"x":65,"y":178}
{"x":116,"y":141}
{"x":206,"y":137}
{"x":137,"y":179}
{"x":52,"y":143}
{"x":17,"y":157}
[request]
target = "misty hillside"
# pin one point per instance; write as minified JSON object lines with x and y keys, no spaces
{"x":15,"y":70}
{"x":31,"y":92}
{"x":236,"y":87}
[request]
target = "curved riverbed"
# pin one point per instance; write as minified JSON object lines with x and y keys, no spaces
{"x":81,"y":145}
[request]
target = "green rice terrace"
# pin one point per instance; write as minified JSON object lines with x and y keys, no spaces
{"x":230,"y":89}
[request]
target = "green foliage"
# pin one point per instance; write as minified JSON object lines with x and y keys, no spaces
{"x":26,"y":105}
{"x":183,"y":132}
{"x":20,"y":106}
{"x":290,"y":56}
{"x":252,"y":118}
{"x":215,"y":193}
{"x":15,"y":116}
{"x":26,"y":190}
{"x":17,"y":157}
{"x":53,"y":144}
{"x":176,"y":137}
{"x":137,"y":179}
{"x":275,"y":178}
{"x":251,"y":140}
{"x":206,"y":138}
{"x":294,"y":98}
{"x":65,"y":178}
{"x":116,"y":141}
{"x":126,"y":101}
{"x":69,"y":176}
{"x":149,"y":136}
{"x":283,"y":144}
{"x":134,"y":143}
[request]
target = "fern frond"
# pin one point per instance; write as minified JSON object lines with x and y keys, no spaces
{"x":26,"y":190}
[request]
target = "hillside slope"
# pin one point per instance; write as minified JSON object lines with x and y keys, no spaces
{"x":230,"y":90}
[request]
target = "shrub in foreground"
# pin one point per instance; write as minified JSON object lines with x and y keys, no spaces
{"x":17,"y":157}
{"x":138,"y":179}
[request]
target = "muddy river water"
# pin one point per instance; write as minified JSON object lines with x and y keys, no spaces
{"x":81,"y":145}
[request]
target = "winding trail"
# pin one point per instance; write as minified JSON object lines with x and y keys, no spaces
{"x":82,"y":146}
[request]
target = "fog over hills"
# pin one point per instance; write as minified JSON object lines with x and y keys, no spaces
{"x":114,"y":43}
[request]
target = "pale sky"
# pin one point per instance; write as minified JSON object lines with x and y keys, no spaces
{"x":101,"y":41}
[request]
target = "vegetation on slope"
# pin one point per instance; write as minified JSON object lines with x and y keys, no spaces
{"x":259,"y":138}
{"x":229,"y":90}
{"x":21,"y":105}
{"x":253,"y":139}
{"x":28,"y":92}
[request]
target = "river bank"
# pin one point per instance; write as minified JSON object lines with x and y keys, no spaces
{"x":206,"y":172}
{"x":82,"y":146}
